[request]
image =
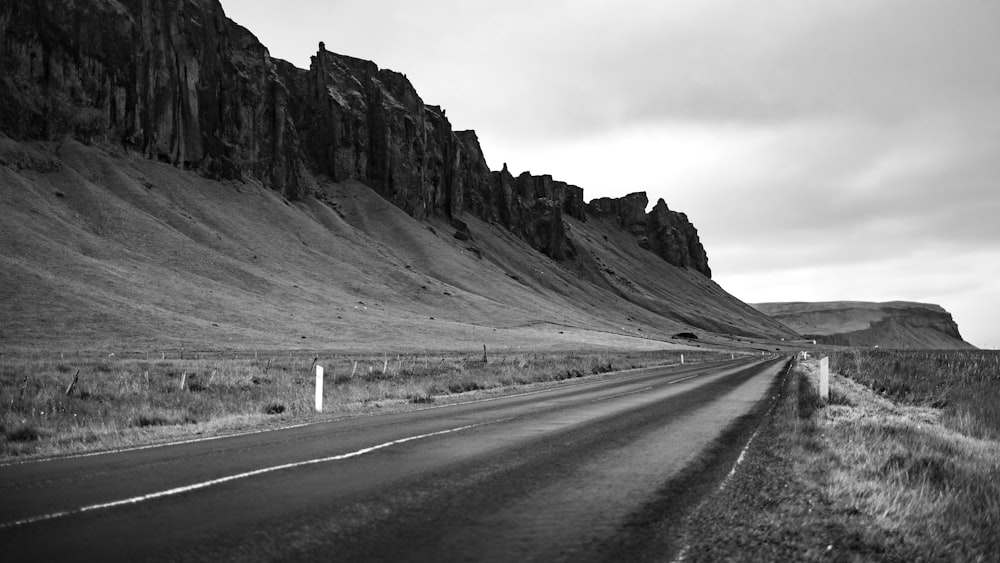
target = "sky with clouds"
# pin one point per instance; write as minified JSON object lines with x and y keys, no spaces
{"x":825,"y":150}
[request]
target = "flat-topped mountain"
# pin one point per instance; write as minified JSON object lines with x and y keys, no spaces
{"x":163,"y":177}
{"x":893,"y":324}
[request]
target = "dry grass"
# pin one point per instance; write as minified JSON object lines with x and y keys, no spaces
{"x":775,"y":507}
{"x":965,"y":384}
{"x":910,"y":468}
{"x":121,"y":401}
{"x":862,"y":478}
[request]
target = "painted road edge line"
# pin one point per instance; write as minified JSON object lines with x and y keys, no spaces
{"x":244,"y":475}
{"x":683,"y":553}
{"x":314,"y":422}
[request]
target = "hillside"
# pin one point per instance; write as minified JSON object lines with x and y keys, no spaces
{"x":165,"y":182}
{"x":894,"y":324}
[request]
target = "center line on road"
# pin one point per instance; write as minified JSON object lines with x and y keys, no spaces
{"x":312,"y":423}
{"x":627,"y":393}
{"x":220,"y":480}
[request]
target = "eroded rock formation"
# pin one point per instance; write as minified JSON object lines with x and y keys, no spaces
{"x":178,"y":81}
{"x":667,"y":233}
{"x":174,"y":79}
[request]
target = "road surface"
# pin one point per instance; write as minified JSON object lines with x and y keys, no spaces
{"x":551,"y":475}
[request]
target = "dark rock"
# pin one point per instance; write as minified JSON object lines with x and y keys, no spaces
{"x":181,"y":83}
{"x":629,"y":211}
{"x":175,"y":80}
{"x":675,"y":239}
{"x":667,"y":233}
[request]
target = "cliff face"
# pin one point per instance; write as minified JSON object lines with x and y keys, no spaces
{"x":179,"y":82}
{"x":895,"y":324}
{"x":173,"y":79}
{"x":667,"y":233}
{"x":360,"y":122}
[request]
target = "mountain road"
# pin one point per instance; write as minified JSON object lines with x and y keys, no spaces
{"x":549,"y":475}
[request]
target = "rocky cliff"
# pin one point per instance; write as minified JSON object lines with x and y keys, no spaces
{"x":894,"y":324}
{"x":667,"y":233}
{"x":177,"y":81}
{"x":173,"y":79}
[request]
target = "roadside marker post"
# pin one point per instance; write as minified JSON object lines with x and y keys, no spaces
{"x":319,"y":388}
{"x":824,"y":378}
{"x":682,"y":359}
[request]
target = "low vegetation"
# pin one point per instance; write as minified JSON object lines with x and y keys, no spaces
{"x":63,"y":405}
{"x":964,"y":384}
{"x":901,"y":464}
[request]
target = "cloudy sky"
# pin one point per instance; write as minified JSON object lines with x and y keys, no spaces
{"x":825,"y":150}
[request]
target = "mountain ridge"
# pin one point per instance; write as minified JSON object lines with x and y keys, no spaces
{"x":197,"y":90}
{"x":164,"y":181}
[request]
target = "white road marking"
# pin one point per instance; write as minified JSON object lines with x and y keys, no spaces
{"x":743,"y":452}
{"x":254,"y":473}
{"x":645,"y":388}
{"x":683,"y":553}
{"x":625,"y":394}
{"x":163,"y":445}
{"x":561,"y":386}
{"x":300,"y":425}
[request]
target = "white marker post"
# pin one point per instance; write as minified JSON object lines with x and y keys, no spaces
{"x":682,"y":359}
{"x":319,"y":388}
{"x":824,"y":379}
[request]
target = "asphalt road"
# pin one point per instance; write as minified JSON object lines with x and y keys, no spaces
{"x":545,"y":476}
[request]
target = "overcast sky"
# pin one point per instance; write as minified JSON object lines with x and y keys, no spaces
{"x":825,"y":150}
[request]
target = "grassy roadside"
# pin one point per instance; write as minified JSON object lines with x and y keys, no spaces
{"x":864,"y":478}
{"x":964,"y":384}
{"x":124,"y":401}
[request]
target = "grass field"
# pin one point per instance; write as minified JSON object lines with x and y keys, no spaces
{"x":964,"y":384}
{"x":119,"y":401}
{"x":902,"y":464}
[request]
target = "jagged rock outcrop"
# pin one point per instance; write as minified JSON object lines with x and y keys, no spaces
{"x":629,"y":210}
{"x":178,"y":81}
{"x":366,"y":123}
{"x":667,"y":233}
{"x":174,"y":79}
{"x":674,"y":238}
{"x":894,"y":324}
{"x":478,"y":195}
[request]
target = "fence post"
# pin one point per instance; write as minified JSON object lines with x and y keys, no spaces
{"x":319,"y":388}
{"x":824,"y":378}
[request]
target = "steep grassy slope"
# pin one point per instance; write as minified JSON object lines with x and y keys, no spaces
{"x":894,"y":324}
{"x":104,"y":251}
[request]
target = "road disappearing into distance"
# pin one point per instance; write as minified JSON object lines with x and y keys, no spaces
{"x":566,"y":473}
